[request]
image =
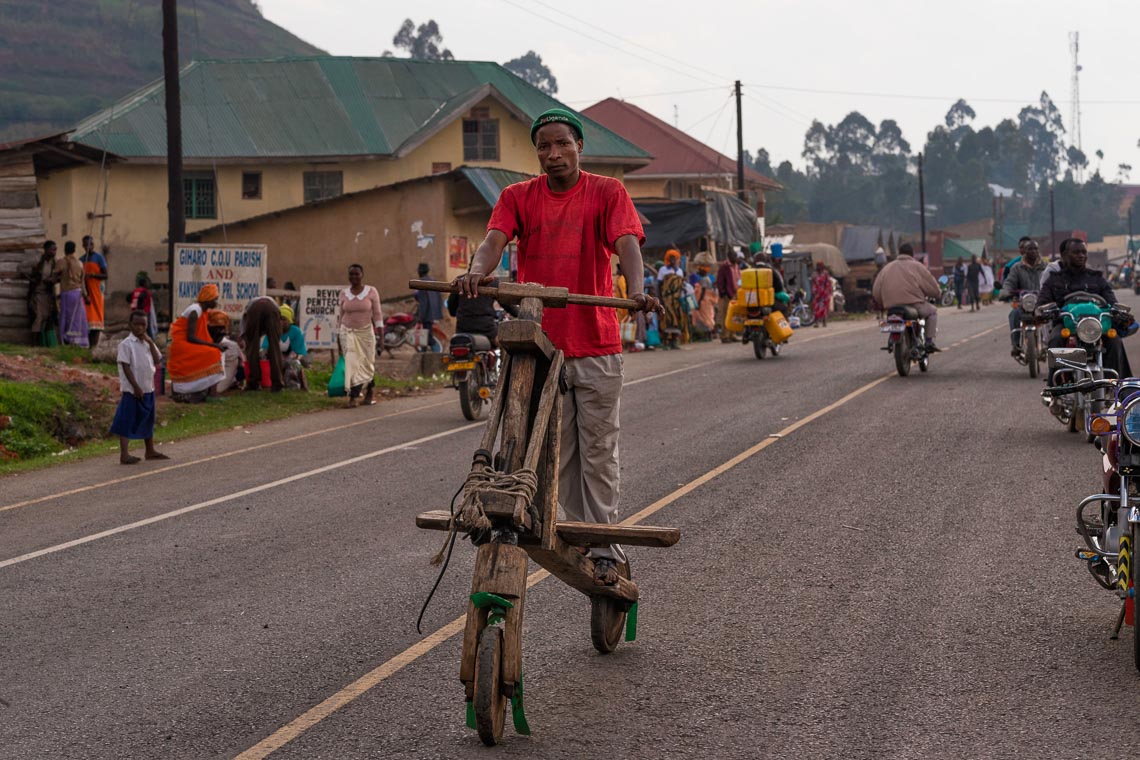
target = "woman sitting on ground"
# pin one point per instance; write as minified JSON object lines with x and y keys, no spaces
{"x":219,"y":325}
{"x":294,"y":352}
{"x":195,"y":360}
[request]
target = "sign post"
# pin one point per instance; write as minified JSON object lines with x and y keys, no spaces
{"x":317,"y":315}
{"x":238,"y":271}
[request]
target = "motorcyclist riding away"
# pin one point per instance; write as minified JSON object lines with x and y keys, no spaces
{"x":1075,"y":276}
{"x":906,"y":282}
{"x":1024,"y":276}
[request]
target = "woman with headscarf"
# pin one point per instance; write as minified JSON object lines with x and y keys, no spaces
{"x":821,"y":293}
{"x":195,"y":363}
{"x":358,"y":317}
{"x":72,"y":301}
{"x":294,"y":351}
{"x":704,"y":291}
{"x":675,"y":323}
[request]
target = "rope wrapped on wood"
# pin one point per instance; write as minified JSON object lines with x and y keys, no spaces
{"x":472,"y":514}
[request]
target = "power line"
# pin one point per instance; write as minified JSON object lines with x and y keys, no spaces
{"x":611,"y":46}
{"x":913,"y":96}
{"x":652,"y":94}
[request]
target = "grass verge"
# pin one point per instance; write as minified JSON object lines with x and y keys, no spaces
{"x":43,"y":414}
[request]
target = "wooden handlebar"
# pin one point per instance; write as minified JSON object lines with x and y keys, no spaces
{"x":514,"y":291}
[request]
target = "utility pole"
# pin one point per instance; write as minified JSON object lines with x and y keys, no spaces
{"x":1131,"y":254}
{"x":921,"y":204}
{"x":175,"y":203}
{"x":739,"y":146}
{"x":1052,"y":226}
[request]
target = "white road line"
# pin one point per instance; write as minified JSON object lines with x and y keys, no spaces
{"x":231,"y":497}
{"x":266,"y":486}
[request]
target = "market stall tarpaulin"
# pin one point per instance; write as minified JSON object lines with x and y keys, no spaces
{"x":238,"y":271}
{"x":317,"y":315}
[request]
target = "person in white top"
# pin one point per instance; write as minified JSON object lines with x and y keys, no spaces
{"x":134,"y":418}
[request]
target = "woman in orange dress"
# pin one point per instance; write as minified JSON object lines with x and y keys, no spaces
{"x":94,"y":275}
{"x":195,"y":360}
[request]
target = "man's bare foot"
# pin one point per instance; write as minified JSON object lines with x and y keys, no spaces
{"x":129,"y":460}
{"x":605,"y":572}
{"x":156,"y":455}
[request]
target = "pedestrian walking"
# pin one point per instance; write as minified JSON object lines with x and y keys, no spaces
{"x":94,"y":275}
{"x":429,"y":310}
{"x":134,"y":418}
{"x":358,"y":319}
{"x":41,"y":297}
{"x":820,"y":294}
{"x":974,"y":283}
{"x":72,"y":300}
{"x":569,"y":223}
{"x":959,"y":282}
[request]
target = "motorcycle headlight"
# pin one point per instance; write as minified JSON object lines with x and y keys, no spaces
{"x":1089,"y":329}
{"x":1130,"y":421}
{"x":1029,"y":302}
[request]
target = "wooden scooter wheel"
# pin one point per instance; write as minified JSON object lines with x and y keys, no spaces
{"x":490,"y":704}
{"x":607,"y":618}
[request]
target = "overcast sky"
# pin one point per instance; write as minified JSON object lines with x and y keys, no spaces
{"x":902,"y":59}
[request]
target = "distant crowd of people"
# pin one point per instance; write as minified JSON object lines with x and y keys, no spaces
{"x":77,"y":316}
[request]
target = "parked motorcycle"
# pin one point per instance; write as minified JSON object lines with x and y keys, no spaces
{"x":802,"y":314}
{"x":1084,"y":319}
{"x":473,"y":364}
{"x":947,"y":296}
{"x":1109,"y":522}
{"x":906,"y":338}
{"x":1032,"y":342}
{"x":397,"y":332}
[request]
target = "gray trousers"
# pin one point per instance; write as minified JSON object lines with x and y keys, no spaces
{"x":588,"y":471}
{"x":929,"y":312}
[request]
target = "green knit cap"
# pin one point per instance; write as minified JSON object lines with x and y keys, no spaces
{"x":554,"y":116}
{"x":755,"y":247}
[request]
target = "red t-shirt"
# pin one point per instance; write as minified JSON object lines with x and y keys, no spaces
{"x":566,"y":240}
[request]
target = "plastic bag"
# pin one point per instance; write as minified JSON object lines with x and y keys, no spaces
{"x":420,"y":336}
{"x":628,"y":331}
{"x":336,"y":382}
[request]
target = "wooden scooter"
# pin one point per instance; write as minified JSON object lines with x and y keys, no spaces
{"x":510,"y":509}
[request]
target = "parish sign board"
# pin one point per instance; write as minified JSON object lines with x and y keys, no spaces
{"x":238,"y":271}
{"x":317,"y":315}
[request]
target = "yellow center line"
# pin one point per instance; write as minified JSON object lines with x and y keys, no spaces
{"x":357,"y":688}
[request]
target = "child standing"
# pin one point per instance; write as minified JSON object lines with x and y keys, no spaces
{"x":134,"y":419}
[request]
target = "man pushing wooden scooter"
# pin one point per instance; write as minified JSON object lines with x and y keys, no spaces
{"x":554,"y":418}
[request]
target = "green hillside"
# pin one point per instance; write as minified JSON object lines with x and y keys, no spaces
{"x":63,"y":60}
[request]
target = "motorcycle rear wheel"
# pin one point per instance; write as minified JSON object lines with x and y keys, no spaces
{"x":806,"y":315}
{"x":470,"y":403}
{"x":902,"y":356}
{"x":758,"y":347}
{"x":948,"y":298}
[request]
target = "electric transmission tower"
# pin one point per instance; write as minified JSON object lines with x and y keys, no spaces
{"x":1075,"y":99}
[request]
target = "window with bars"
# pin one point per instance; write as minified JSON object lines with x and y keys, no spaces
{"x":480,"y":139}
{"x":200,"y":191}
{"x":322,"y":185}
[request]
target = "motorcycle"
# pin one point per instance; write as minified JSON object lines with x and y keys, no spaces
{"x":1109,"y":522}
{"x":396,"y":332}
{"x":754,"y":313}
{"x":1032,"y":342}
{"x":906,"y":338}
{"x":947,"y":296}
{"x":802,"y":314}
{"x":1084,"y":320}
{"x":473,"y":364}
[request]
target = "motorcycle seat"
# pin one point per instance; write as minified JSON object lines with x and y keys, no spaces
{"x":476,"y":341}
{"x":906,"y":312}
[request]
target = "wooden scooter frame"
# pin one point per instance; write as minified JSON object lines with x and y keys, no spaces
{"x":524,"y":421}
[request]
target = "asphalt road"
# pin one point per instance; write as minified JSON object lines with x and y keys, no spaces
{"x":887,"y":574}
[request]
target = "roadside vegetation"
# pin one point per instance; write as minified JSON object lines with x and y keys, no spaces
{"x":56,"y":406}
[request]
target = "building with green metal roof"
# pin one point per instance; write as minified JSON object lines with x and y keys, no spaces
{"x":264,"y":135}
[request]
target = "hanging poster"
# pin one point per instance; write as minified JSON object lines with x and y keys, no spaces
{"x":457,"y":252}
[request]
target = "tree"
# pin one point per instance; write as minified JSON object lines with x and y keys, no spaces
{"x":530,"y":67}
{"x":422,"y":43}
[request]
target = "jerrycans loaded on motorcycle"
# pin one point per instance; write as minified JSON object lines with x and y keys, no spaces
{"x":778,"y":328}
{"x":756,"y":288}
{"x":736,"y":315}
